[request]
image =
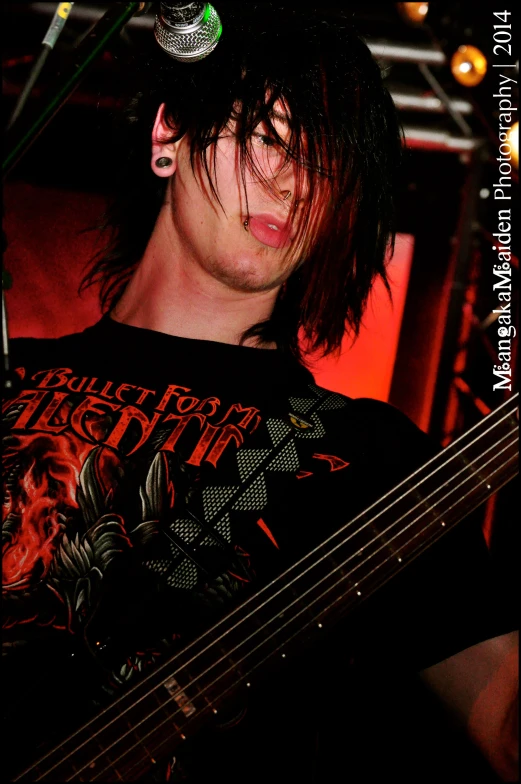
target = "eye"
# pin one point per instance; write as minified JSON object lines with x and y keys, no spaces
{"x":262,"y":140}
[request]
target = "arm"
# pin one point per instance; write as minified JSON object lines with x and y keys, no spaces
{"x":480,"y":687}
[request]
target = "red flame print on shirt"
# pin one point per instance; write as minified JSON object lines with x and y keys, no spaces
{"x":44,"y":491}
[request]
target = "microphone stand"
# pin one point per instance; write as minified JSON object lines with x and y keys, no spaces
{"x":19,"y":140}
{"x":51,"y":36}
{"x":89,"y":49}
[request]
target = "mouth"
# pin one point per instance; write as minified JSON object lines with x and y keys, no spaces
{"x":270,"y":230}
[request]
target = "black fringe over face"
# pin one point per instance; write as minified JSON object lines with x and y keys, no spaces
{"x":342,"y":137}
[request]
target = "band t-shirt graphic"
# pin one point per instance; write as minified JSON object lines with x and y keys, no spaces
{"x":152,"y":482}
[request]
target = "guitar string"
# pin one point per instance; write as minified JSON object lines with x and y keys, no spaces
{"x":377,"y":538}
{"x":147,"y":694}
{"x":344,"y":577}
{"x":222,"y":694}
{"x":207,"y":687}
{"x":440,"y":455}
{"x":350,"y":524}
{"x":323,"y":544}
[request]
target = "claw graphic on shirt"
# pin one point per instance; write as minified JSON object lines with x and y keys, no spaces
{"x":335,"y":463}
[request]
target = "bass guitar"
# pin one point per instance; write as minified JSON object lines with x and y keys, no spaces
{"x":147,"y":722}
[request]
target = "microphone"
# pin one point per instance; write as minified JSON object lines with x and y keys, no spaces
{"x":187,"y":31}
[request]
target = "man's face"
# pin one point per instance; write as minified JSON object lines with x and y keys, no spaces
{"x":259,"y":257}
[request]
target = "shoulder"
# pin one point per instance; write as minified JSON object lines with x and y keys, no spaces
{"x":368,"y":412}
{"x":377,"y":431}
{"x":379,"y":417}
{"x":31,"y":351}
{"x":20,"y":348}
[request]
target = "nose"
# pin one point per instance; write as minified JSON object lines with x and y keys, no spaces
{"x":286,"y":186}
{"x":288,"y":199}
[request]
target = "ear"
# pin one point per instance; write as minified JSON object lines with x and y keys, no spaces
{"x":161,"y":148}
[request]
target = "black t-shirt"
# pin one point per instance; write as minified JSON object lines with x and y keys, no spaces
{"x":153,"y":482}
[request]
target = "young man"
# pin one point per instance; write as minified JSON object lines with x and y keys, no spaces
{"x":168,"y":462}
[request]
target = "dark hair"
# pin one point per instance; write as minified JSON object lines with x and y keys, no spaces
{"x":344,"y":136}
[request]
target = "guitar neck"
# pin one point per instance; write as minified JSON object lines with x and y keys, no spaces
{"x":174,"y":700}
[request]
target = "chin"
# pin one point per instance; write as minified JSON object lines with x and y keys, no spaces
{"x":249,"y":274}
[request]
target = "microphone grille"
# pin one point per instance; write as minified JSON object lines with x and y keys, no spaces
{"x":189,"y":43}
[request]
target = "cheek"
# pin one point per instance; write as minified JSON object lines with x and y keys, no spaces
{"x":227,"y":173}
{"x":225,"y":177}
{"x":191,"y":196}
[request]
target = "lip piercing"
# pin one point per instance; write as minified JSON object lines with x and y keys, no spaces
{"x":245,"y":224}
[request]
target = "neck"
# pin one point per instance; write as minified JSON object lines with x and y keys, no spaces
{"x":169,"y":292}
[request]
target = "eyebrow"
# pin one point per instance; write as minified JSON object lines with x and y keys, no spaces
{"x":274,"y":115}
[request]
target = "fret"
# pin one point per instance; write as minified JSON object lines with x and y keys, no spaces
{"x":180,"y":697}
{"x":184,"y":708}
{"x":134,"y":750}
